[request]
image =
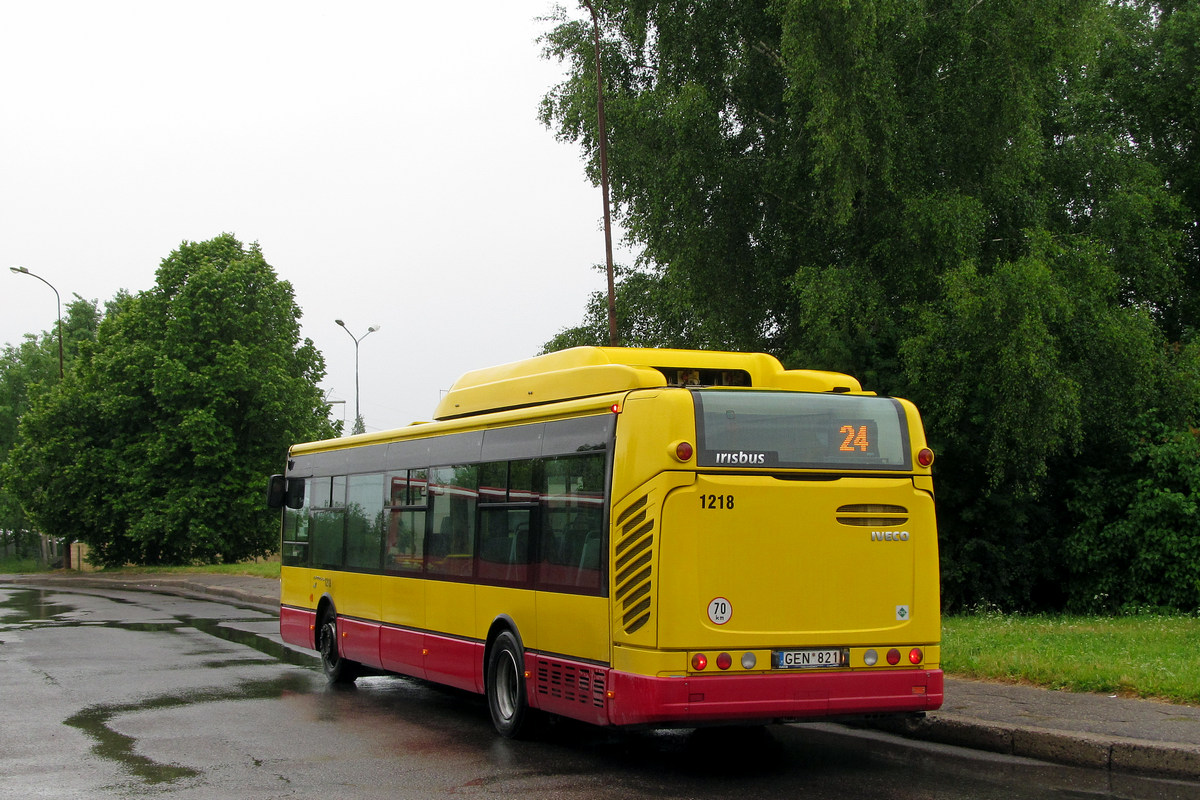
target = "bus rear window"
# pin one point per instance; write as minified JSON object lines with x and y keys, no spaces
{"x":795,"y":430}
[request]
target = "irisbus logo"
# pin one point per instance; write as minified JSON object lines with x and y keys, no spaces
{"x":889,"y":536}
{"x":740,"y":458}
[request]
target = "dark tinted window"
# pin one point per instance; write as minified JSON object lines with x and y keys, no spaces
{"x":572,"y":544}
{"x":799,"y":430}
{"x":364,"y":521}
{"x":295,"y":533}
{"x":450,"y":546}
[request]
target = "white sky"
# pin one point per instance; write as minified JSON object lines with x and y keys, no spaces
{"x":385,"y":155}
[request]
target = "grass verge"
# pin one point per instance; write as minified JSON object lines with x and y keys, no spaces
{"x":259,"y":569}
{"x":19,"y":566}
{"x":1143,"y":655}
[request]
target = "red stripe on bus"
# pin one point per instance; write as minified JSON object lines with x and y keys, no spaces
{"x":640,"y":699}
{"x":296,"y":626}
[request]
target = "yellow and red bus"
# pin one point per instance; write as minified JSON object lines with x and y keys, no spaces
{"x":630,"y":537}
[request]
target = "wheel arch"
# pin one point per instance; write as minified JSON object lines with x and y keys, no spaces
{"x":324,"y":606}
{"x":501,"y":623}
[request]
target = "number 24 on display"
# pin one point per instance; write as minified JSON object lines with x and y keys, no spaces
{"x":855,"y":437}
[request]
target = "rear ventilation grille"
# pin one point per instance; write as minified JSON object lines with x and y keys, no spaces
{"x":634,"y":569}
{"x":571,"y":683}
{"x":871,"y":515}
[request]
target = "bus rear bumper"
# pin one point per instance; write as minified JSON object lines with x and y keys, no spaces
{"x":643,"y":700}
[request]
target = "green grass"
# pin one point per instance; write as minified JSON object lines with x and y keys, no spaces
{"x":259,"y":569}
{"x":13,"y":565}
{"x":1143,"y":655}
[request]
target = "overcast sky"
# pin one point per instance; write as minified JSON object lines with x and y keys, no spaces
{"x":385,"y":155}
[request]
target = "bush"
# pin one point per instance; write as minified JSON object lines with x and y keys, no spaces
{"x":1137,"y":538}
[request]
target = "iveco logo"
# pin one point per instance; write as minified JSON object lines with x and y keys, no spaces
{"x":889,"y":536}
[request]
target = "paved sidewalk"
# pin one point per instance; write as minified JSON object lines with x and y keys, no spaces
{"x":1140,"y":737}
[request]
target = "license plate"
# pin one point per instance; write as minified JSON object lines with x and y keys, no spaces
{"x":808,"y":658}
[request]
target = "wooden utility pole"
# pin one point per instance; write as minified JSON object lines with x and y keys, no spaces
{"x":613,"y":339}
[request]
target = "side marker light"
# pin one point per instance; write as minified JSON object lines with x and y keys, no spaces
{"x":925,"y":457}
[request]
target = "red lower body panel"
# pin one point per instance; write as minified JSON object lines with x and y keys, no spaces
{"x":596,"y":694}
{"x":642,"y":700}
{"x":402,"y":650}
{"x":445,"y":659}
{"x":454,"y":662}
{"x":567,"y":688}
{"x":297,"y":626}
{"x":359,"y":641}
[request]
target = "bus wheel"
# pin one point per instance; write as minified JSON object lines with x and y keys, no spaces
{"x":506,"y":686}
{"x":337,"y":669}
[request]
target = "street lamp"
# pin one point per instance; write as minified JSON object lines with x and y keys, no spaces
{"x":357,"y":339}
{"x":23,"y":271}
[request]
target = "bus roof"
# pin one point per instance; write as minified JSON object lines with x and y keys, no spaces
{"x":590,"y":371}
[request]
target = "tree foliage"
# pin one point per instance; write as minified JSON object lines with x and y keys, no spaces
{"x":990,"y":208}
{"x":155,"y":448}
{"x":27,"y":370}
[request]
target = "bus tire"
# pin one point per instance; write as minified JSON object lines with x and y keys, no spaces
{"x":337,"y":669}
{"x":506,"y":686}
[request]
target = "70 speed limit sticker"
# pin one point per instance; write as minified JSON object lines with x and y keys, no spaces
{"x":720,"y":610}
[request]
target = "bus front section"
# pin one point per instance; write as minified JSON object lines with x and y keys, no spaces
{"x":774,"y":557}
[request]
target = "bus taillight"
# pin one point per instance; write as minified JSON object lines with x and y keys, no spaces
{"x":915,"y":655}
{"x":925,"y":457}
{"x":683,"y":451}
{"x":699,"y":661}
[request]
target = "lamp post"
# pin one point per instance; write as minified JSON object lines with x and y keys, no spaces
{"x":357,"y":339}
{"x":58,"y":299}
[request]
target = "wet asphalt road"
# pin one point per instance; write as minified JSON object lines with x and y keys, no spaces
{"x":132,"y":694}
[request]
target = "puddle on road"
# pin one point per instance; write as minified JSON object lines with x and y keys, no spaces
{"x":95,"y":721}
{"x":24,"y":608}
{"x":32,"y":608}
{"x":277,"y":650}
{"x":27,"y":606}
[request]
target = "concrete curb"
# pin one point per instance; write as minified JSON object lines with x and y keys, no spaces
{"x":1073,"y":748}
{"x":201,"y":590}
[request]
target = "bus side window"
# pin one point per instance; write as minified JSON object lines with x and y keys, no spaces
{"x":364,"y":521}
{"x":453,"y":493}
{"x":327,"y":522}
{"x":295,"y":532}
{"x":404,"y":542}
{"x":572,"y":510}
{"x":504,"y":544}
